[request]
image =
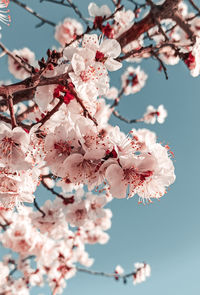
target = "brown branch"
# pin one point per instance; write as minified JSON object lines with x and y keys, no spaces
{"x":159,"y":12}
{"x":31,"y":11}
{"x":184,"y":26}
{"x":11,"y":109}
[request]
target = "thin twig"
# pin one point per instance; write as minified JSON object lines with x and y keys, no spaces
{"x":116,"y":101}
{"x":52,"y":190}
{"x":31,"y":11}
{"x":162,"y":65}
{"x":61,"y":2}
{"x":116,"y":114}
{"x":108,"y":275}
{"x":38,"y":208}
{"x":194,"y":6}
{"x":77,"y":11}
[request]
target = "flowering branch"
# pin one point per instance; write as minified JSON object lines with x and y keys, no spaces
{"x":142,"y":271}
{"x":159,"y":12}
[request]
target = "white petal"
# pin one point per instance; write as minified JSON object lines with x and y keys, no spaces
{"x":90,"y":41}
{"x":110,"y":47}
{"x":115,"y":176}
{"x":78,"y":64}
{"x":93,"y":9}
{"x":112,"y":65}
{"x":104,"y":10}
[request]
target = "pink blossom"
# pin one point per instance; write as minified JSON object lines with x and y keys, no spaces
{"x":153,"y":114}
{"x":68,"y":30}
{"x":143,"y":271}
{"x":14,"y":148}
{"x":95,"y":10}
{"x":133,"y":80}
{"x":15,"y":68}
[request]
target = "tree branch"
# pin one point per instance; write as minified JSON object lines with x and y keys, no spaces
{"x":11,"y":109}
{"x":167,"y":10}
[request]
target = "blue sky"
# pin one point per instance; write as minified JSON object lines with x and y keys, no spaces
{"x":165,"y":233}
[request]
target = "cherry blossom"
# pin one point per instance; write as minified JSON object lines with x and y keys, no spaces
{"x":15,"y":68}
{"x":94,"y":10}
{"x":68,"y":30}
{"x":133,"y":80}
{"x":55,"y":131}
{"x":143,"y":271}
{"x":17,"y":187}
{"x":14,"y":148}
{"x":153,"y":114}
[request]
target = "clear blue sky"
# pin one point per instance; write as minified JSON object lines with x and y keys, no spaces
{"x":165,"y":233}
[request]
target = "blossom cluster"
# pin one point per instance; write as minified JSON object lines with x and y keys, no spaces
{"x":61,"y":138}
